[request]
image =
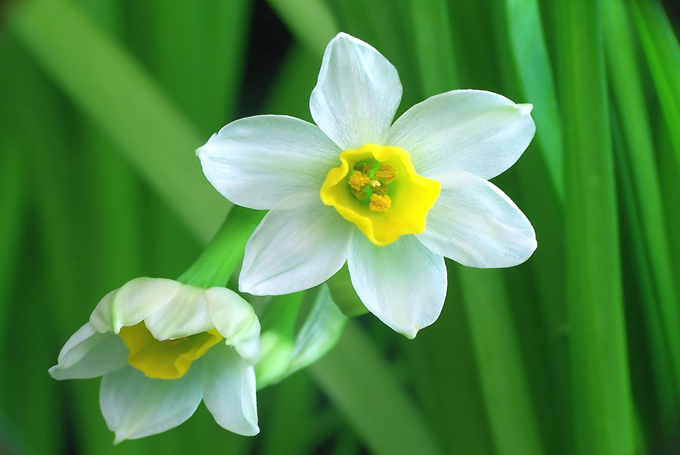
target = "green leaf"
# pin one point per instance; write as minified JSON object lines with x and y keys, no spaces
{"x":603,"y":411}
{"x":434,"y":47}
{"x":645,"y":200}
{"x":12,"y":201}
{"x":663,"y":56}
{"x":310,"y":21}
{"x":116,"y":93}
{"x":356,"y":378}
{"x":530,"y":55}
{"x":499,"y":360}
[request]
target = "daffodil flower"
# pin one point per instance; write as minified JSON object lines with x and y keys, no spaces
{"x":162,"y":346}
{"x":391,"y":199}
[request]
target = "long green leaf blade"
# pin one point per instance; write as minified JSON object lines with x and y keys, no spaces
{"x":377,"y":408}
{"x":532,"y":64}
{"x":663,"y":56}
{"x":111,"y":88}
{"x":603,"y":411}
{"x":627,"y":89}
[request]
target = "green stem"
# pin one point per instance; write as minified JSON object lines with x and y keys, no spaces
{"x":218,"y":261}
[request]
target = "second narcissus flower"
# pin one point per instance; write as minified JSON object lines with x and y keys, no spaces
{"x":391,"y":199}
{"x":162,"y":346}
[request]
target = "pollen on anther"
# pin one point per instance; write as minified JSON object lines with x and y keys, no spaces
{"x":386,"y":172}
{"x":380,"y":203}
{"x":358,"y":180}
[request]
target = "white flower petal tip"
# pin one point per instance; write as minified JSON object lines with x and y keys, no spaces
{"x":476,"y":224}
{"x":135,"y":406}
{"x":525,"y":109}
{"x":205,"y":148}
{"x":229,"y":391}
{"x":89,"y":354}
{"x":357,"y":93}
{"x":403,"y":284}
{"x":236,"y":321}
{"x":464,"y":130}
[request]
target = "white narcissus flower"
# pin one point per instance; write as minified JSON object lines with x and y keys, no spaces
{"x":162,"y":346}
{"x":391,"y":199}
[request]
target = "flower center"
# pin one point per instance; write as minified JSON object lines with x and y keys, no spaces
{"x":377,"y":188}
{"x":169,"y":359}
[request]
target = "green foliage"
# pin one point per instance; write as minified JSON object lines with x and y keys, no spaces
{"x":103,"y":103}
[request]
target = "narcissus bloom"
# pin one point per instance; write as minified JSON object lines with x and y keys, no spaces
{"x":162,"y":346}
{"x":390,"y":199}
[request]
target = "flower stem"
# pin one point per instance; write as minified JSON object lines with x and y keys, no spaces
{"x":218,"y":261}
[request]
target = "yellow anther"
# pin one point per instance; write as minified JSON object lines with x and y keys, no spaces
{"x":386,"y":172}
{"x":358,"y":181}
{"x":373,"y":183}
{"x":380,"y":203}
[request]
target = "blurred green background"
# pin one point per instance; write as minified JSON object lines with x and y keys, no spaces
{"x":102,"y":103}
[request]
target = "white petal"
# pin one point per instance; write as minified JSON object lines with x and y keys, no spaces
{"x":88,"y":354}
{"x":357,"y":93}
{"x":101,"y":316}
{"x":229,"y":390}
{"x":255,"y":162}
{"x":403,"y":283}
{"x":236,"y":321}
{"x":464,"y":130}
{"x":184,"y":315}
{"x":135,"y":406}
{"x":299,"y":244}
{"x":476,"y":224}
{"x":133,"y":302}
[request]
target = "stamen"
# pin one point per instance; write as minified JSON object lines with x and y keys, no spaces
{"x":364,"y":168}
{"x":380,"y":203}
{"x":381,"y":190}
{"x":386,"y":172}
{"x":358,"y":181}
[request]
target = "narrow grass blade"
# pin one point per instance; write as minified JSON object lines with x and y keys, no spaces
{"x":12,"y":220}
{"x":434,"y":47}
{"x":652,"y":377}
{"x":446,"y":379}
{"x":290,"y":425}
{"x":196,"y":52}
{"x":357,"y":379}
{"x":507,"y":398}
{"x":646,"y":204}
{"x":311,"y":22}
{"x":663,"y":56}
{"x":532,"y":64}
{"x":111,"y":88}
{"x":603,"y":411}
{"x":501,"y":369}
